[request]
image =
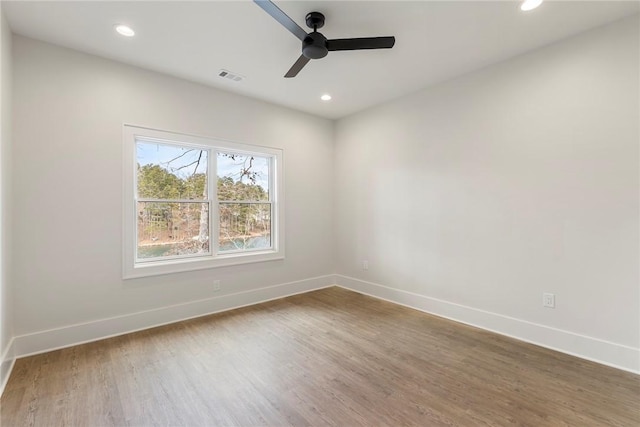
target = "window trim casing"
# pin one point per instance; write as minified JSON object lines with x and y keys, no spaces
{"x":132,"y":269}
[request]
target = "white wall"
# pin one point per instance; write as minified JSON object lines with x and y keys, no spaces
{"x":472,"y":198}
{"x":6,"y":306}
{"x":68,"y":114}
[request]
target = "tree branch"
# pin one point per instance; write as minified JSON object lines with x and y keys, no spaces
{"x":181,"y":155}
{"x":195,"y":162}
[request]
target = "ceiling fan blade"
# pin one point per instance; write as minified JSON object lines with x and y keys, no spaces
{"x":295,"y":69}
{"x":361,"y":43}
{"x":282,"y":18}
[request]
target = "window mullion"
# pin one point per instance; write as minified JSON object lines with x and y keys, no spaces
{"x":246,"y":202}
{"x":273,"y":197}
{"x":214,"y":222}
{"x":148,"y":200}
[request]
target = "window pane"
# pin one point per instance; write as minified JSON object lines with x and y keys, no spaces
{"x":170,"y":229}
{"x":243,"y":177}
{"x":245,"y":226}
{"x":171,"y":172}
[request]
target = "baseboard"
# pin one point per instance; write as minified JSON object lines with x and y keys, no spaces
{"x":7,"y":361}
{"x":593,"y":349}
{"x":53,"y":339}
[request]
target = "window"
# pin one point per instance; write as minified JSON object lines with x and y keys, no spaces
{"x":194,"y":203}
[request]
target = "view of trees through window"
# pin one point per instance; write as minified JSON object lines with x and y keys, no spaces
{"x":173,"y":205}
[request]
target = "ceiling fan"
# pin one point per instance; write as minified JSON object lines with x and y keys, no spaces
{"x":314,"y":44}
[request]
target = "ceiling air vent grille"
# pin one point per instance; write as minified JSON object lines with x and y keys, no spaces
{"x":225,"y":74}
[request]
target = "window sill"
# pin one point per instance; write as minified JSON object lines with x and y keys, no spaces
{"x":192,"y":264}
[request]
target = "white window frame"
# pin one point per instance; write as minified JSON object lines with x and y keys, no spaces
{"x":134,"y":268}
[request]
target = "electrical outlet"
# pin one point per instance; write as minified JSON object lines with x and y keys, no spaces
{"x":365,"y":265}
{"x":548,"y":300}
{"x":216,"y":285}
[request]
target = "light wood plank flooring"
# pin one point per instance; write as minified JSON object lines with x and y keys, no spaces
{"x":331,"y":357}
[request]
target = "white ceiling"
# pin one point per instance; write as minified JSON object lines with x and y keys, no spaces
{"x":435,"y":41}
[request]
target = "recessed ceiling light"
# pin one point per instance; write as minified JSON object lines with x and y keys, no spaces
{"x":326,"y":97}
{"x":124,"y":30}
{"x":530,"y":4}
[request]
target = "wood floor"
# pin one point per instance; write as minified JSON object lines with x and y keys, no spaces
{"x":331,"y":357}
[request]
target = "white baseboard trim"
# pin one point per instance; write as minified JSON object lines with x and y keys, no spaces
{"x":67,"y":336}
{"x":7,"y":360}
{"x":593,"y":349}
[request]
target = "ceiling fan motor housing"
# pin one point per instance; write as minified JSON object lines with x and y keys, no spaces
{"x":314,"y":46}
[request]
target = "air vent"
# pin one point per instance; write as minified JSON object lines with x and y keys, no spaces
{"x":231,"y":76}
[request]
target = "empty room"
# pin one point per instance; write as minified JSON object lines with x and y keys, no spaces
{"x":309,"y":213}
